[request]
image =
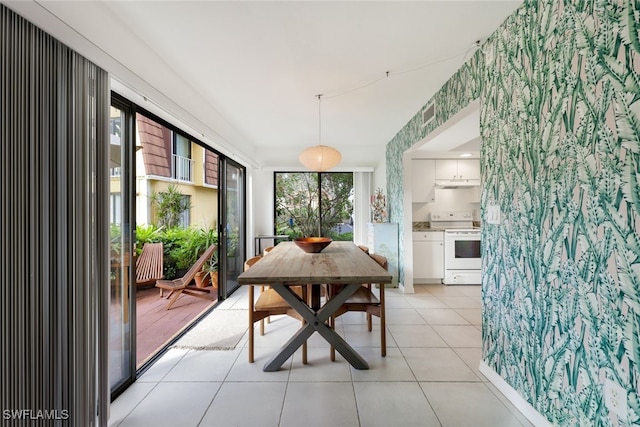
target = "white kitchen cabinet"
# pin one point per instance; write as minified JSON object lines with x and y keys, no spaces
{"x":469,"y":169}
{"x":447,"y":169}
{"x":428,"y":256}
{"x":423,"y":181}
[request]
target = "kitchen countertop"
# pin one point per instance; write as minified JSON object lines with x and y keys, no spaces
{"x":425,"y":226}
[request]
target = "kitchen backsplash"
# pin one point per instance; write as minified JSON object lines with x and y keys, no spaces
{"x":420,"y":225}
{"x":448,"y":200}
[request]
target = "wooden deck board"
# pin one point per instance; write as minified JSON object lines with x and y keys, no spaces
{"x":156,"y":325}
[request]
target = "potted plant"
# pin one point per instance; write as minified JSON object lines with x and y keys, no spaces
{"x":202,"y":278}
{"x":198,"y":242}
{"x":212,"y":268}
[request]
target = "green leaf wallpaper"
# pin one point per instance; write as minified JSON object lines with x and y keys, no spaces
{"x":559,"y":89}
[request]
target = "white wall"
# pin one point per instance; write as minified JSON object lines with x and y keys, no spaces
{"x":380,"y":175}
{"x":259,"y":205}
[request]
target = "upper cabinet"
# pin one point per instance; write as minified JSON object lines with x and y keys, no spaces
{"x":469,"y":169}
{"x":448,"y":169}
{"x":423,"y":173}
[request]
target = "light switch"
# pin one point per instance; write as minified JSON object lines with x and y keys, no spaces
{"x":615,"y":399}
{"x":493,"y":214}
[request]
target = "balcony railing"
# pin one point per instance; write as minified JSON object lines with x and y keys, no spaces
{"x":182,"y":168}
{"x":116,"y":172}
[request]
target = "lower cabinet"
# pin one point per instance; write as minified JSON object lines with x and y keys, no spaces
{"x":428,"y":256}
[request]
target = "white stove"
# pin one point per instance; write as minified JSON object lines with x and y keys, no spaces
{"x":451,"y":219}
{"x":462,"y":262}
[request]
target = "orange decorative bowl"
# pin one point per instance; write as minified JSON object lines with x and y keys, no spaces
{"x":312,"y":245}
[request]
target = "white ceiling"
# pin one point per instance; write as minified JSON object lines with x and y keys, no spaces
{"x":244,"y":76}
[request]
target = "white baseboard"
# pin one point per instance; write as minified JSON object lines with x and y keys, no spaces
{"x":405,"y":290}
{"x":535,"y":417}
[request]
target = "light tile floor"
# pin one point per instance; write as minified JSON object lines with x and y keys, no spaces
{"x":429,"y":377}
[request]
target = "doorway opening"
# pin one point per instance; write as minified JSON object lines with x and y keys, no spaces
{"x":441,"y":174}
{"x":177,"y":213}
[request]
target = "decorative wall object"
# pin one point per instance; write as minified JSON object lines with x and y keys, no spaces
{"x":560,"y":127}
{"x":379,"y":206}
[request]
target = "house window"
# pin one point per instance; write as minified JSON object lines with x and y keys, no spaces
{"x":185,"y":216}
{"x":115,"y":213}
{"x":182,"y":163}
{"x":314,"y":204}
{"x":114,"y":127}
{"x":115,"y":135}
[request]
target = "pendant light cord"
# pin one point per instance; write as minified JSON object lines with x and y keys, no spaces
{"x":319,"y":119}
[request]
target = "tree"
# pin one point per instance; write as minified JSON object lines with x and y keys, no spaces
{"x":170,"y":204}
{"x":337,"y":200}
{"x":300,"y":195}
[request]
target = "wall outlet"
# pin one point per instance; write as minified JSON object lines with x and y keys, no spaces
{"x":615,"y":399}
{"x":493,"y":214}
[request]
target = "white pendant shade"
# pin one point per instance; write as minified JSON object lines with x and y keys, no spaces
{"x":320,"y":158}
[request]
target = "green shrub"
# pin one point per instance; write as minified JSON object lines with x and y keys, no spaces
{"x":183,"y":246}
{"x":147,"y":234}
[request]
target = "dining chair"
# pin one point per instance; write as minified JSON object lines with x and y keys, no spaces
{"x":267,"y":319}
{"x":363,"y":300}
{"x":267,"y":250}
{"x":269,"y":303}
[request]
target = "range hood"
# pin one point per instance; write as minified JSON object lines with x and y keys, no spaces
{"x":458,"y":183}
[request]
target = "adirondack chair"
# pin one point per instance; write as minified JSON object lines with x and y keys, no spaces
{"x":149,"y":264}
{"x":180,"y":286}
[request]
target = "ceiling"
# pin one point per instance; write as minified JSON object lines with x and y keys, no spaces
{"x":243,"y":76}
{"x":458,"y":137}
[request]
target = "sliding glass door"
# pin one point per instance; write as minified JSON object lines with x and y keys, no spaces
{"x":121,"y":308}
{"x":168,"y":191}
{"x":232,"y":225}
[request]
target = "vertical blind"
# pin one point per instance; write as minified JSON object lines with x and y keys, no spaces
{"x":362,"y":206}
{"x":54,"y":236}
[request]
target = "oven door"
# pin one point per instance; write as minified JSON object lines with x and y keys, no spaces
{"x":462,"y":250}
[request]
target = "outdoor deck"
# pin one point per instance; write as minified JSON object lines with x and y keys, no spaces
{"x":156,"y":325}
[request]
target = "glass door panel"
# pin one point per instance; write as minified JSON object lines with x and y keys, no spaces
{"x":121,"y":351}
{"x":180,"y":213}
{"x":233,"y":230}
{"x":336,"y":205}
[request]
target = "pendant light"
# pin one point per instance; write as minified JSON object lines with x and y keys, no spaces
{"x":320,"y":158}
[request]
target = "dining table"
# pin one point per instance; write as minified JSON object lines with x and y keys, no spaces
{"x":340,"y":263}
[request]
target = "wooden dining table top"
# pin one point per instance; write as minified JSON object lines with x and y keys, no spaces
{"x":338,"y":263}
